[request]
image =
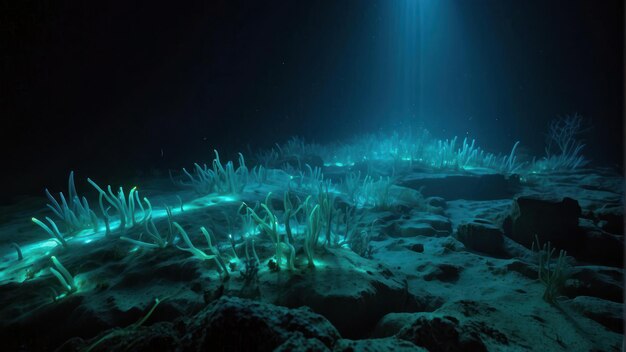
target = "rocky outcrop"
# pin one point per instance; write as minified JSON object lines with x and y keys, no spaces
{"x":228,"y":324}
{"x":607,"y":313}
{"x":482,"y":236}
{"x":550,"y":219}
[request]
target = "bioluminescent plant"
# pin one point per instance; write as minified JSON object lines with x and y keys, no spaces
{"x":127,"y":207}
{"x":213,"y":254}
{"x":377,"y":193}
{"x":158,"y":240}
{"x":564,"y":146}
{"x":269,"y":225}
{"x":314,"y":223}
{"x":551,"y":273}
{"x":63,"y":275}
{"x":221,"y":179}
{"x":290,"y":211}
{"x":73,"y":211}
{"x":52,"y":230}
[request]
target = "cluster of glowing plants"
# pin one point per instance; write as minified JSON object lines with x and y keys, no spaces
{"x":74,"y":220}
{"x":563,"y":151}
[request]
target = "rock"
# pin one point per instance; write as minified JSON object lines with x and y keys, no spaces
{"x":523,"y":268}
{"x":436,"y":202}
{"x":228,"y":324}
{"x":413,"y":230}
{"x":553,"y":220}
{"x":607,"y":313}
{"x":442,"y":334}
{"x":516,"y":250}
{"x":451,"y":244}
{"x":598,"y":246}
{"x":471,"y":308}
{"x":417,"y":247}
{"x":424,"y":301}
{"x":468,"y":186}
{"x":443,"y":272}
{"x":440,"y":223}
{"x":298,"y":343}
{"x":482,"y":236}
{"x":595,"y":281}
{"x":157,"y":337}
{"x":407,"y":197}
{"x":235,"y":324}
{"x":392,"y":323}
{"x":353,"y":293}
{"x":377,"y":345}
{"x":421,"y":224}
{"x":611,"y":218}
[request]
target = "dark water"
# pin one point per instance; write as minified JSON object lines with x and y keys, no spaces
{"x":80,"y":78}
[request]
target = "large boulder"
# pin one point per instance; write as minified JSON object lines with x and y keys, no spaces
{"x":550,"y":219}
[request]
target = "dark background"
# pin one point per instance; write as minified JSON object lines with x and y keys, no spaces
{"x":115,"y":90}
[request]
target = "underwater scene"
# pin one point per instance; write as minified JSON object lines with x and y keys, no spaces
{"x":313,"y":176}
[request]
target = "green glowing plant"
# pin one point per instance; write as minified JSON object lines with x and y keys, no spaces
{"x":314,"y":224}
{"x":222,"y":179}
{"x":73,"y":211}
{"x":551,"y":275}
{"x":198,"y":253}
{"x":63,"y":275}
{"x":269,"y":225}
{"x":126,"y":207}
{"x":52,"y":230}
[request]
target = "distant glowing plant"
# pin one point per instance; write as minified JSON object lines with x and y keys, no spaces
{"x":564,"y":147}
{"x":221,"y":179}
